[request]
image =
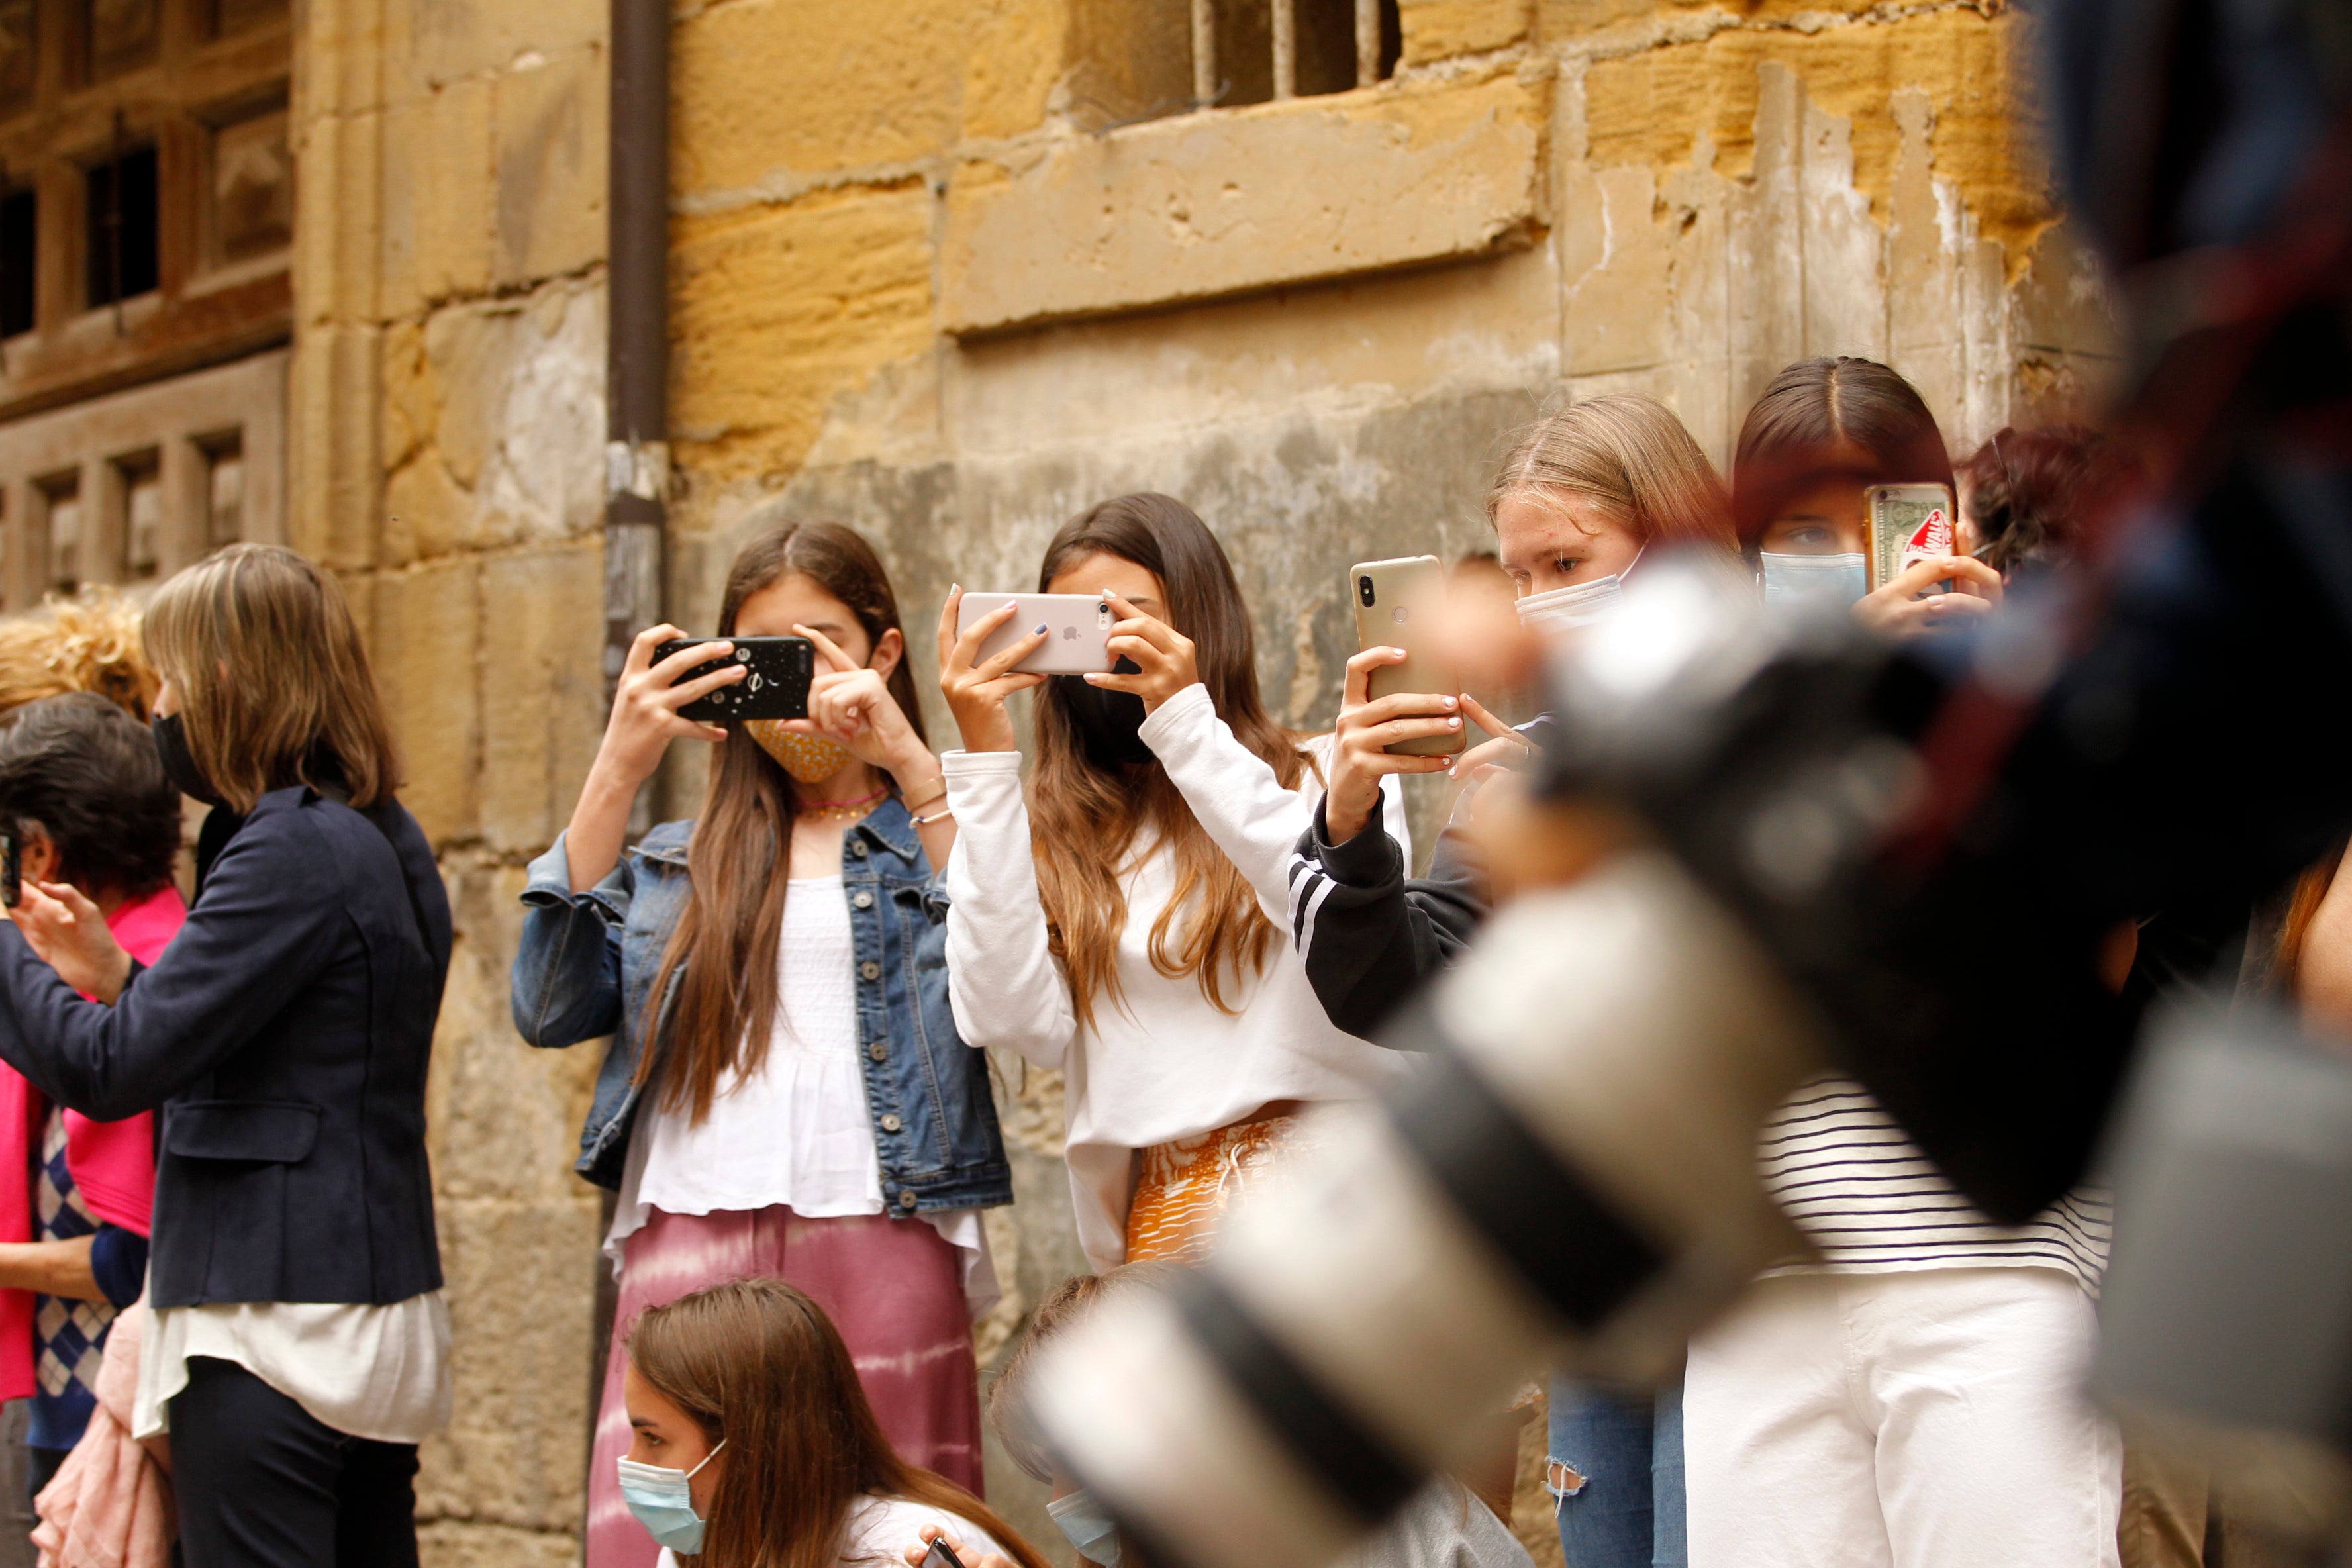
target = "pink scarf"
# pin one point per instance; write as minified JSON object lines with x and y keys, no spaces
{"x":113,"y":1162}
{"x":110,"y":1504}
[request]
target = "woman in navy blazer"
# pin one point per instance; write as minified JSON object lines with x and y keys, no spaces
{"x":298,"y":1346}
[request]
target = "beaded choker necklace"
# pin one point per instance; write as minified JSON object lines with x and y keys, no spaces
{"x":839,"y":810}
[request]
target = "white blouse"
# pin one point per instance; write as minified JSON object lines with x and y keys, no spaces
{"x":377,"y":1372}
{"x":1163,"y":1063}
{"x":798,"y":1131}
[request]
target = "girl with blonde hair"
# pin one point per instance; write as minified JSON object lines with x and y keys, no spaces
{"x":87,"y":642}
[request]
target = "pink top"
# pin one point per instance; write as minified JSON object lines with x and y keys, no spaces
{"x":113,"y":1162}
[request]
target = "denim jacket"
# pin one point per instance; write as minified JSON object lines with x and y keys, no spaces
{"x":587,"y":962}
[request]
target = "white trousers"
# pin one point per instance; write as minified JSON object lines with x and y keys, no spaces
{"x":1931,"y":1419}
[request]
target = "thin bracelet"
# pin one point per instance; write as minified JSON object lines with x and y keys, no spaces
{"x":939,"y":816}
{"x":938,"y":792}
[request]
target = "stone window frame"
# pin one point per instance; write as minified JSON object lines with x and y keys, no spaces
{"x":205,"y":308}
{"x":97,"y":449}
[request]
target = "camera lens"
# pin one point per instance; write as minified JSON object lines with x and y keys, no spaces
{"x":1364,"y":590}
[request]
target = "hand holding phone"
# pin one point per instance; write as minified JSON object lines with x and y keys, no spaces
{"x":777,"y":672}
{"x":1398,"y":604}
{"x":942,"y":1555}
{"x":1077,"y":627}
{"x":975,"y":684}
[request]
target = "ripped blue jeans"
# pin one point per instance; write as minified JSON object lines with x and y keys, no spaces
{"x":1616,"y":1474}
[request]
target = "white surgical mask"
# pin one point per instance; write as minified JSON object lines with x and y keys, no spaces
{"x":1578,"y":604}
{"x":663,"y":1501}
{"x":1804,"y":580}
{"x":1087,"y":1526}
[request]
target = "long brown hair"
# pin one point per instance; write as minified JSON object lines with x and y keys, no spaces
{"x":756,"y":1364}
{"x":272,"y":678}
{"x":1628,"y":456}
{"x":1792,"y":435}
{"x":1087,"y":817}
{"x":723,"y":948}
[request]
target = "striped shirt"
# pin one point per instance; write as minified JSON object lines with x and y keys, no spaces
{"x":1862,"y":1193}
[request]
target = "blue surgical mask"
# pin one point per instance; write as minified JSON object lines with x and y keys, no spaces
{"x":664,"y":1502}
{"x":1804,"y":580}
{"x":1088,"y":1525}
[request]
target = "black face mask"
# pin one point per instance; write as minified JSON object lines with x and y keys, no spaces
{"x":1106,"y":722}
{"x":171,"y":747}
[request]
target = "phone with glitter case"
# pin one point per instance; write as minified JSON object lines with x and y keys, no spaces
{"x":776,"y":685}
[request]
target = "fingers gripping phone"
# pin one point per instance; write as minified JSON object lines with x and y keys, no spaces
{"x":1908,"y":524}
{"x":776,"y":685}
{"x":1078,"y":629}
{"x":942,"y":1555}
{"x":1397,"y":606}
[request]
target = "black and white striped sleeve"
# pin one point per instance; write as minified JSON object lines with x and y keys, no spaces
{"x":1368,"y":934}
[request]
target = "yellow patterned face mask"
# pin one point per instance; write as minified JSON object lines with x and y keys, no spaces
{"x":811,"y":759}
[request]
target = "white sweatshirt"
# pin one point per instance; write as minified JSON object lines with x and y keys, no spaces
{"x":1160,"y":1063}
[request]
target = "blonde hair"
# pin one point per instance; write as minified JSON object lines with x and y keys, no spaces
{"x":87,"y":642}
{"x":1631,"y":456}
{"x":273,"y":679}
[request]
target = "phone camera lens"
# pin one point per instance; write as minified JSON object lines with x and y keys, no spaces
{"x":1364,"y":590}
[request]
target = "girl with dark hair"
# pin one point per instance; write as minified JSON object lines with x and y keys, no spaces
{"x":1120,"y":921}
{"x":1824,"y":431}
{"x":752,"y":1443}
{"x":2025,"y":494}
{"x":784,"y":1093}
{"x":1910,"y":1391}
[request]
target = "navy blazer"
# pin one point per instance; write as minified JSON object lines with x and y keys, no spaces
{"x":286,"y":1033}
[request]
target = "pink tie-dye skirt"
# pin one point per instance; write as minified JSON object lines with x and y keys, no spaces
{"x":895,"y":1289}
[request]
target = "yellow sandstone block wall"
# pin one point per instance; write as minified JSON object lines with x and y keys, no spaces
{"x":938,"y":272}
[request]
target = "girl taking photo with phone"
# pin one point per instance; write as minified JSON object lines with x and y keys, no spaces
{"x":752,"y":1443}
{"x":784,"y":1094}
{"x":1581,"y":497}
{"x":1917,"y":1384}
{"x":1822,"y":434}
{"x":1121,"y":920}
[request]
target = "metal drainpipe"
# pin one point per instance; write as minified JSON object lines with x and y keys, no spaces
{"x":637,"y":422}
{"x":636,"y":398}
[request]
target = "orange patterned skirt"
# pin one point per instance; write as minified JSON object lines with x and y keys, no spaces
{"x":1185,"y":1185}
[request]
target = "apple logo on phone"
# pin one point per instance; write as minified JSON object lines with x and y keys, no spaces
{"x":1399,"y":615}
{"x":1069,"y":634}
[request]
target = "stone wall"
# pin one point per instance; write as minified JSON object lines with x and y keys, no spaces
{"x":448,"y":427}
{"x":926,"y":281}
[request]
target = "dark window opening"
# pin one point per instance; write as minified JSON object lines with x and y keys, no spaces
{"x":123,"y":222}
{"x":19,"y":246}
{"x":60,"y":507}
{"x":1323,"y":43}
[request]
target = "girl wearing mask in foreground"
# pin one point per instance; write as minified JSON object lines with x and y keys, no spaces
{"x":297,"y":1347}
{"x":1120,"y":921}
{"x":784,"y":1093}
{"x":1582,"y":497}
{"x":1911,"y":1397}
{"x":751,"y":1444}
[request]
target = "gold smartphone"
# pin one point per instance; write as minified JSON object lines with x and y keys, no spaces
{"x":1397,"y":606}
{"x":1908,"y":524}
